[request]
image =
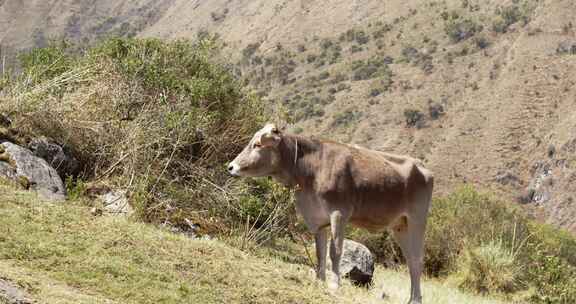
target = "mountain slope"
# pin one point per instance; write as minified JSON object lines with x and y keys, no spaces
{"x":482,"y":90}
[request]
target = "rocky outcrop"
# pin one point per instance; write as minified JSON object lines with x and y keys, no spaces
{"x":32,"y":172}
{"x":59,"y":157}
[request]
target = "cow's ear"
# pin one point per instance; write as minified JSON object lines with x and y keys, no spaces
{"x":270,"y":139}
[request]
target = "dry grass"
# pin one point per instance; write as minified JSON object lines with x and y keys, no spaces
{"x":63,"y":254}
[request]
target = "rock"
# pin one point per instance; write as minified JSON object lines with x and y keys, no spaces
{"x":116,"y":202}
{"x":60,"y":158}
{"x":541,"y":186}
{"x":357,"y":263}
{"x":34,"y":172}
{"x":12,"y":295}
{"x":5,"y":121}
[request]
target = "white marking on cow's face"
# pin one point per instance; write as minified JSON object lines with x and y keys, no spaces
{"x":260,"y":157}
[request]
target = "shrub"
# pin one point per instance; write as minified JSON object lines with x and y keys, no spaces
{"x":156,"y":118}
{"x":481,"y":42}
{"x":311,"y":58}
{"x":346,"y":118}
{"x":435,"y":110}
{"x":458,"y":30}
{"x":355,"y":49}
{"x":267,"y":207}
{"x":324,"y":75}
{"x":359,"y":36}
{"x":414,"y":118}
{"x":417,"y":58}
{"x":250,"y":49}
{"x":489,"y":268}
{"x":510,"y":15}
{"x":374,"y":67}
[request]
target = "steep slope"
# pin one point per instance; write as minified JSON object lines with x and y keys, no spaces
{"x":482,"y":90}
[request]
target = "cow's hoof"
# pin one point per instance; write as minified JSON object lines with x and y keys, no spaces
{"x":383,"y":296}
{"x":333,"y":285}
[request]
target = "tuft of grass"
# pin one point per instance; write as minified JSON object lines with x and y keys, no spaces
{"x":488,"y":268}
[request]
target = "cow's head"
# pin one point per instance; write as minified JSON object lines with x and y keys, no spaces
{"x":260,"y":157}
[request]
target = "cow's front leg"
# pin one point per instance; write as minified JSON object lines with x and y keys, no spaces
{"x":321,"y":245}
{"x":336,"y":243}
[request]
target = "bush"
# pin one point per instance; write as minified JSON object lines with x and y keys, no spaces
{"x":414,"y":118}
{"x":510,"y":15}
{"x":359,"y":36}
{"x":417,"y":58}
{"x":458,"y":30}
{"x":250,"y":50}
{"x":481,"y":42}
{"x":375,"y":67}
{"x":157,"y":118}
{"x":435,"y":110}
{"x":489,"y":268}
{"x":267,"y":207}
{"x":355,"y":49}
{"x":346,"y":118}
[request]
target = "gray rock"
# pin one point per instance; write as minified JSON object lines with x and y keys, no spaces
{"x":357,"y":263}
{"x":32,"y":172}
{"x":57,"y":156}
{"x":12,"y":295}
{"x":116,"y":202}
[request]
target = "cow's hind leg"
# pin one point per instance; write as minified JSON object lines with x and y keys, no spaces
{"x":409,"y":234}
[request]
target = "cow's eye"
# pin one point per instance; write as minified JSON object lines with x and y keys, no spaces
{"x":257,"y":145}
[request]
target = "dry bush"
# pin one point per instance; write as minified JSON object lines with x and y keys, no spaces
{"x":160,"y":119}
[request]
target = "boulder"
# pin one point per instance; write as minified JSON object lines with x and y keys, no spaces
{"x":356,"y":263}
{"x":32,"y":172}
{"x":59,"y":157}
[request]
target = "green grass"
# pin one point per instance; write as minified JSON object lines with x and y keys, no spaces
{"x":60,"y":253}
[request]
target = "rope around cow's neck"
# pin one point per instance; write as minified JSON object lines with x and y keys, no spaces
{"x":296,"y":152}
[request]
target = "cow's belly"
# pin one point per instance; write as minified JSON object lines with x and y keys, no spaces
{"x":377,"y":215}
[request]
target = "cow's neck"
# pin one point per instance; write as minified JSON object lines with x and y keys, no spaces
{"x":295,"y":168}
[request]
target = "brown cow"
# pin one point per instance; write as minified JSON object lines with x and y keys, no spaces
{"x":337,"y":183}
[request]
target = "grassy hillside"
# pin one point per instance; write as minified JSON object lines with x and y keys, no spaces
{"x":160,"y":120}
{"x":64,"y":254}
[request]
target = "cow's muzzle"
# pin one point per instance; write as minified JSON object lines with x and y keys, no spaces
{"x":234,"y":169}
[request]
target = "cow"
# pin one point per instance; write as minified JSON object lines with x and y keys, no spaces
{"x":337,"y":184}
